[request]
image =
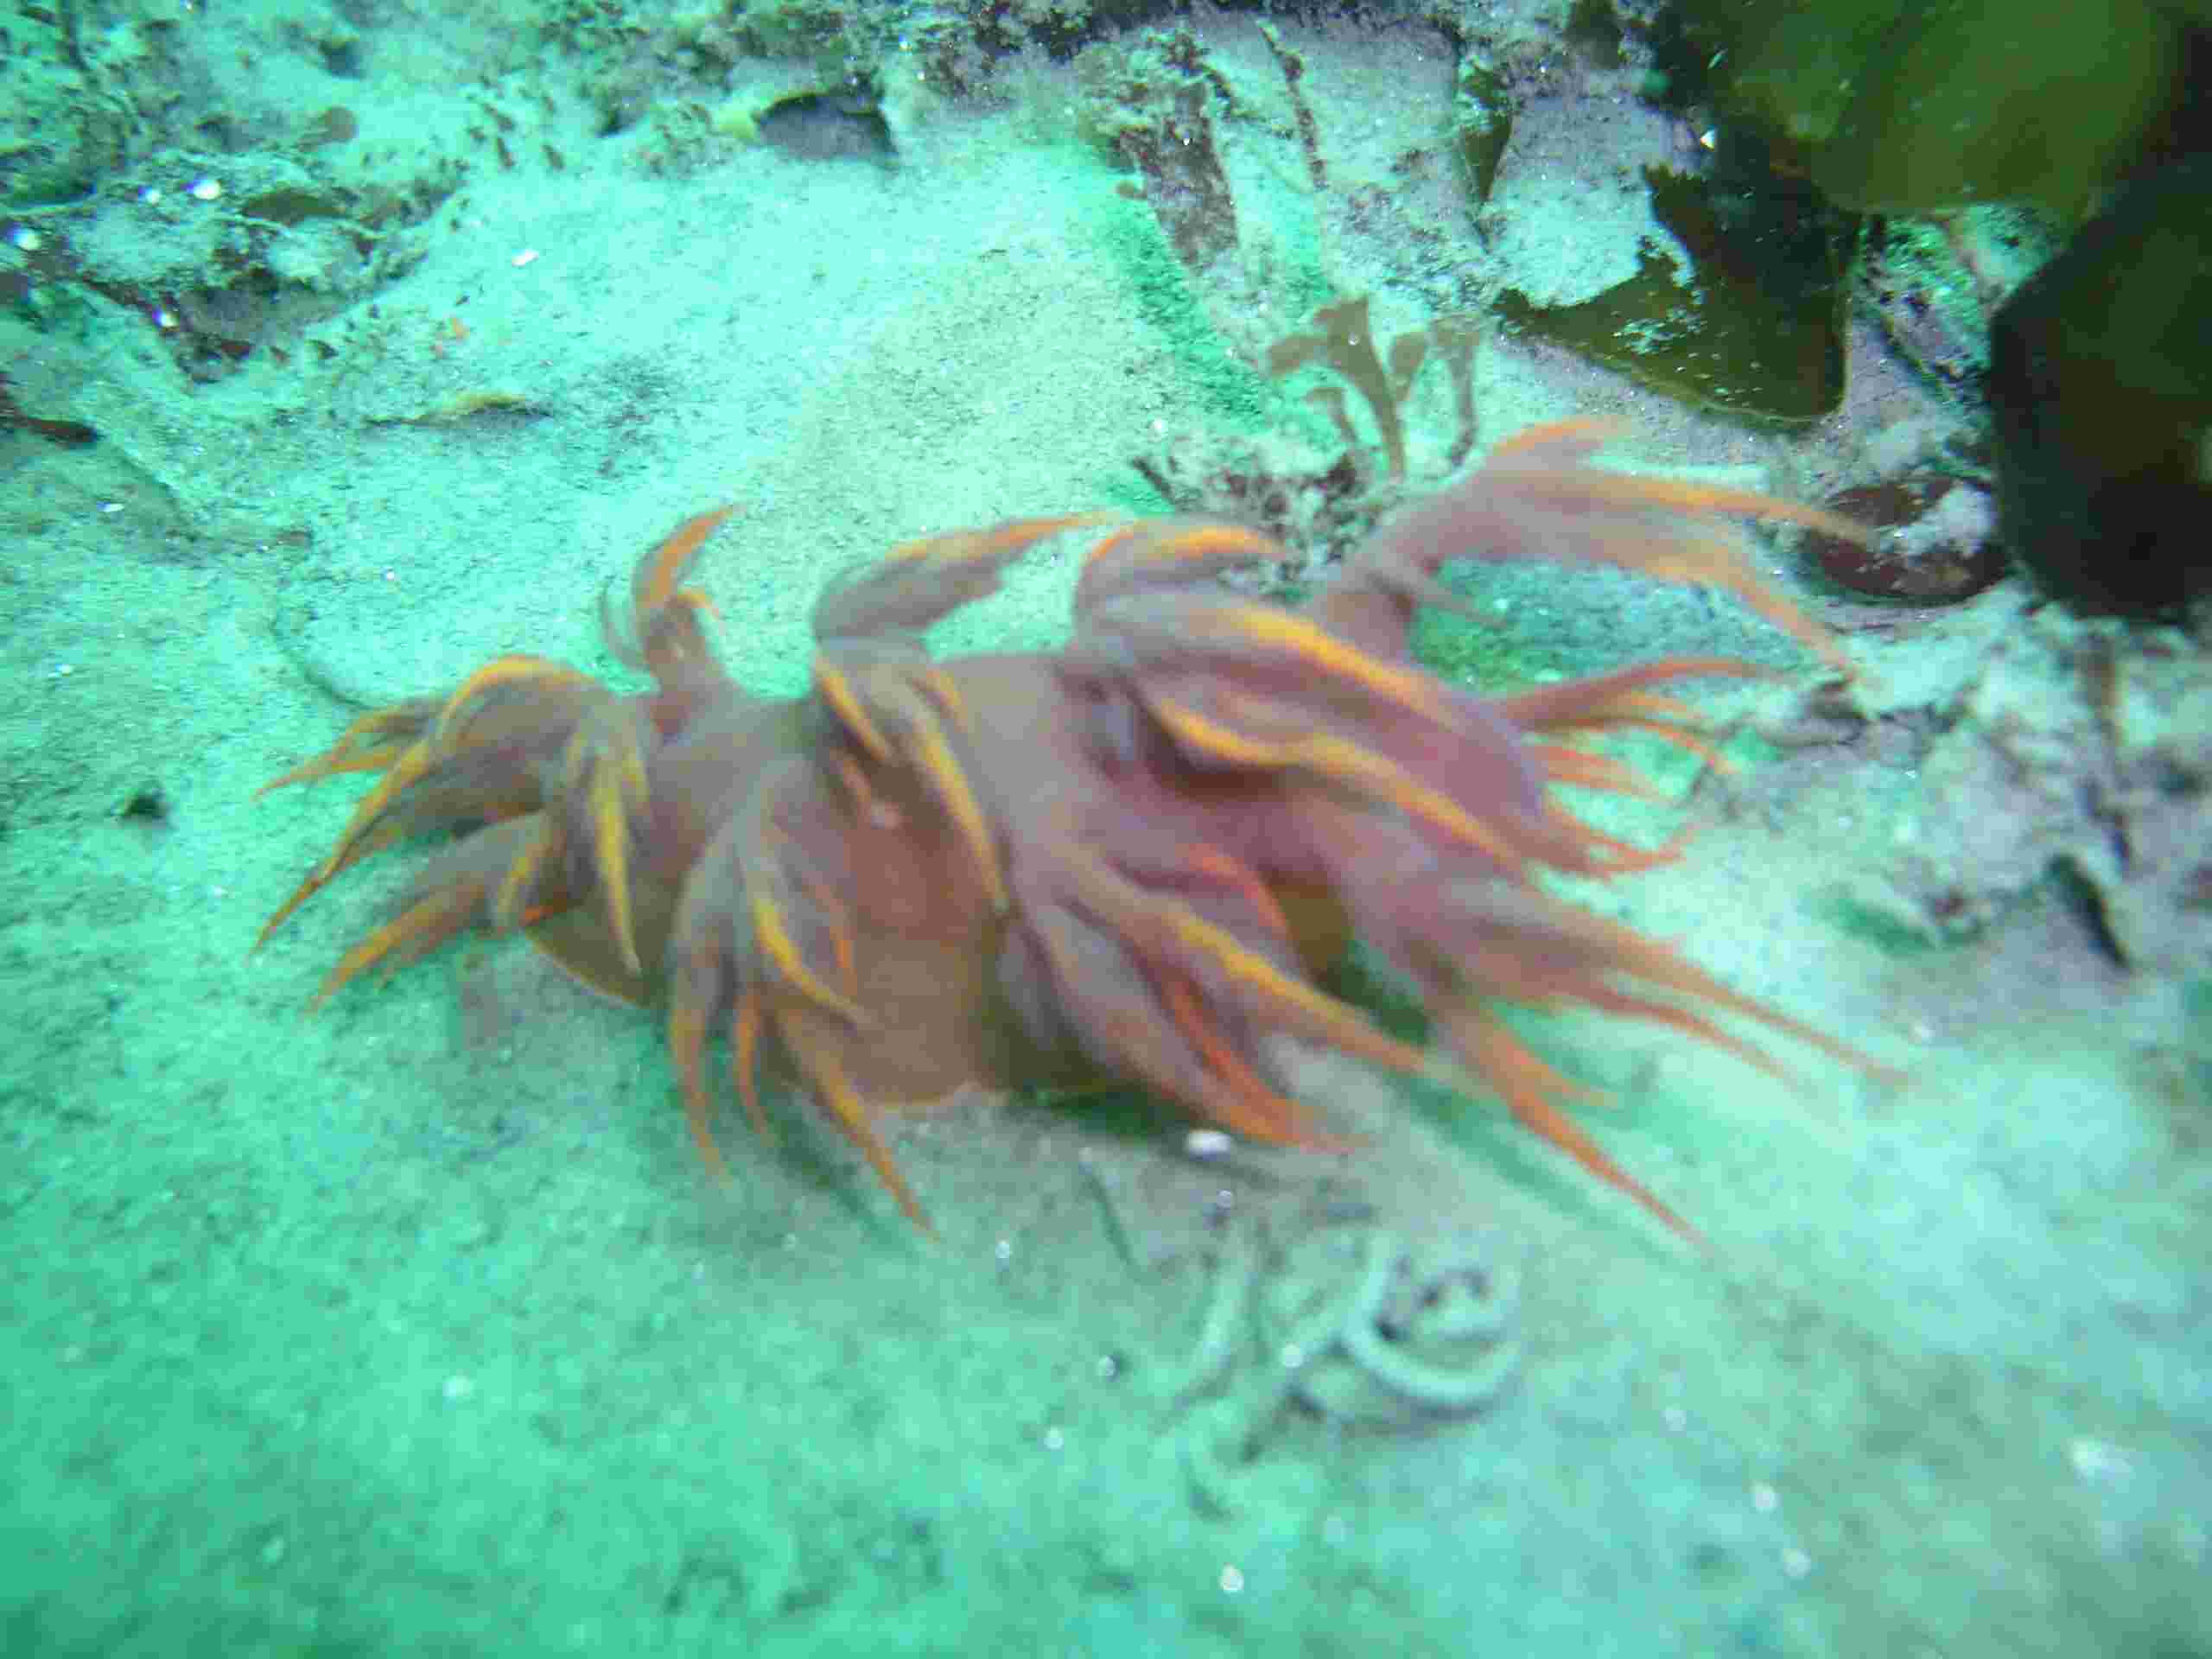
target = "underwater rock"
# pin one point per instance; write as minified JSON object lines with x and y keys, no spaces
{"x":1932,"y":285}
{"x":828,"y":127}
{"x":1149,"y":104}
{"x":2101,"y":387}
{"x":2055,"y":755}
{"x":71,"y":435}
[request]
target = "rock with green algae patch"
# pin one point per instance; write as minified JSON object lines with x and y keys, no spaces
{"x":1754,"y":329}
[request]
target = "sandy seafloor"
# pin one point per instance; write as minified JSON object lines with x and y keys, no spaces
{"x":414,"y":1326}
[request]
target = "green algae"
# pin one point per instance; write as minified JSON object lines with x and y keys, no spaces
{"x":1901,"y":107}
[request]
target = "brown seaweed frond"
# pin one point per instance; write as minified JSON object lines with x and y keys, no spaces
{"x":1343,"y":342}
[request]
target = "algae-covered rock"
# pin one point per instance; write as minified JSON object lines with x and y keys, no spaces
{"x":1150,"y":102}
{"x":56,"y":133}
